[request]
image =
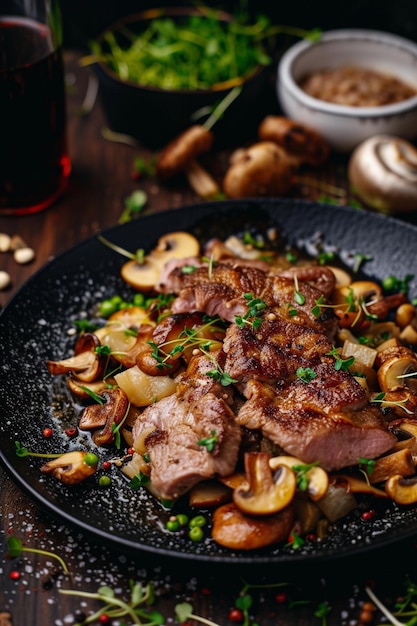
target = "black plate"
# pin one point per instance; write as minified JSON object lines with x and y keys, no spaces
{"x":35,"y":324}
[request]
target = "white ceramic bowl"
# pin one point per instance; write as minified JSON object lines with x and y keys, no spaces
{"x":343,"y":126}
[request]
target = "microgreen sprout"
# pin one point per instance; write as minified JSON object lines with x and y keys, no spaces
{"x":93,"y":395}
{"x":211,"y":263}
{"x":209,"y":442}
{"x":384,"y":610}
{"x":295,"y":541}
{"x":291,"y":257}
{"x":298,"y":296}
{"x":137,"y":256}
{"x":381,"y":398}
{"x":306,"y":374}
{"x":340,"y":363}
{"x":134,"y":204}
{"x":85,"y":326}
{"x":324,"y":257}
{"x":392,"y":283}
{"x":189,"y":339}
{"x":15,"y":548}
{"x":322,"y":612}
{"x":184,"y":612}
{"x":140,"y":598}
{"x":22,"y":452}
{"x":116,"y":428}
{"x":139,"y":480}
{"x":366,"y":467}
{"x":255,"y":242}
{"x":359,"y":259}
{"x":188,"y":269}
{"x":252,"y":317}
{"x":301,"y":472}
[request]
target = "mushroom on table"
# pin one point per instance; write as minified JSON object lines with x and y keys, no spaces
{"x":180,"y":156}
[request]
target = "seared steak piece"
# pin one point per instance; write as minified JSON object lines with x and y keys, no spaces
{"x":171,"y":281}
{"x":274,"y":351}
{"x":221,"y":290}
{"x":327,"y":420}
{"x":172,"y":428}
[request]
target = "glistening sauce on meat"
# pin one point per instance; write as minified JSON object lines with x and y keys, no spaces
{"x":356,"y":86}
{"x":271,"y":392}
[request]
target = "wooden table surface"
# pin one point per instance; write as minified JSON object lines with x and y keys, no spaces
{"x":29,"y":585}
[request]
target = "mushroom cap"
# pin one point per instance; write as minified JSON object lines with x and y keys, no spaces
{"x":383,"y":173}
{"x":145,"y":276}
{"x":263,"y":169}
{"x":182,"y":149}
{"x":303,"y":144}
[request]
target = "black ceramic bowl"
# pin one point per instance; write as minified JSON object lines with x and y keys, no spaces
{"x":154,"y":116}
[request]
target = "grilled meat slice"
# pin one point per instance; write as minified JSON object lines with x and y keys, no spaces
{"x":274,"y":351}
{"x":221,"y":290}
{"x":172,"y":431}
{"x":171,"y":281}
{"x":327,"y":420}
{"x":172,"y":428}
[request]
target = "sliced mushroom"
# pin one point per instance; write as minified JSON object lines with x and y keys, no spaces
{"x":398,"y":462}
{"x":209,"y":493}
{"x":70,"y":468}
{"x":100,"y":418}
{"x":86,"y":365}
{"x":267,"y":492}
{"x":402,"y":490}
{"x":383,"y":173}
{"x":400,"y":401}
{"x":81,"y":390}
{"x":304,"y":145}
{"x":237,"y":531}
{"x":263,"y":169}
{"x":399,"y":372}
{"x":144,"y":276}
{"x":317,"y":477}
{"x":406,"y":432}
{"x":352,"y":484}
{"x":179,"y":156}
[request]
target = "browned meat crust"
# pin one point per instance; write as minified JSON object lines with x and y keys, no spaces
{"x":317,"y":423}
{"x":221,"y":290}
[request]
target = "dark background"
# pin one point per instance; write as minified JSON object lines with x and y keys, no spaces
{"x":85,"y":19}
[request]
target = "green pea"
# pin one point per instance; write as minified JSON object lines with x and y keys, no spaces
{"x":389,"y":283}
{"x":91,"y":459}
{"x":182,"y":519}
{"x":172,"y":524}
{"x":198,"y":521}
{"x":104,"y":481}
{"x":196,"y":533}
{"x":139,"y":299}
{"x":107,"y":307}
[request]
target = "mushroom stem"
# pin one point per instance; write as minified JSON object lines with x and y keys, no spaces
{"x":201,"y":181}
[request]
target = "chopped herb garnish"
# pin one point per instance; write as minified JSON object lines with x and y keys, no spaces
{"x":340,"y":362}
{"x":252,"y":317}
{"x":139,"y":480}
{"x":306,"y":374}
{"x":359,"y":259}
{"x":302,"y":474}
{"x":209,"y":442}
